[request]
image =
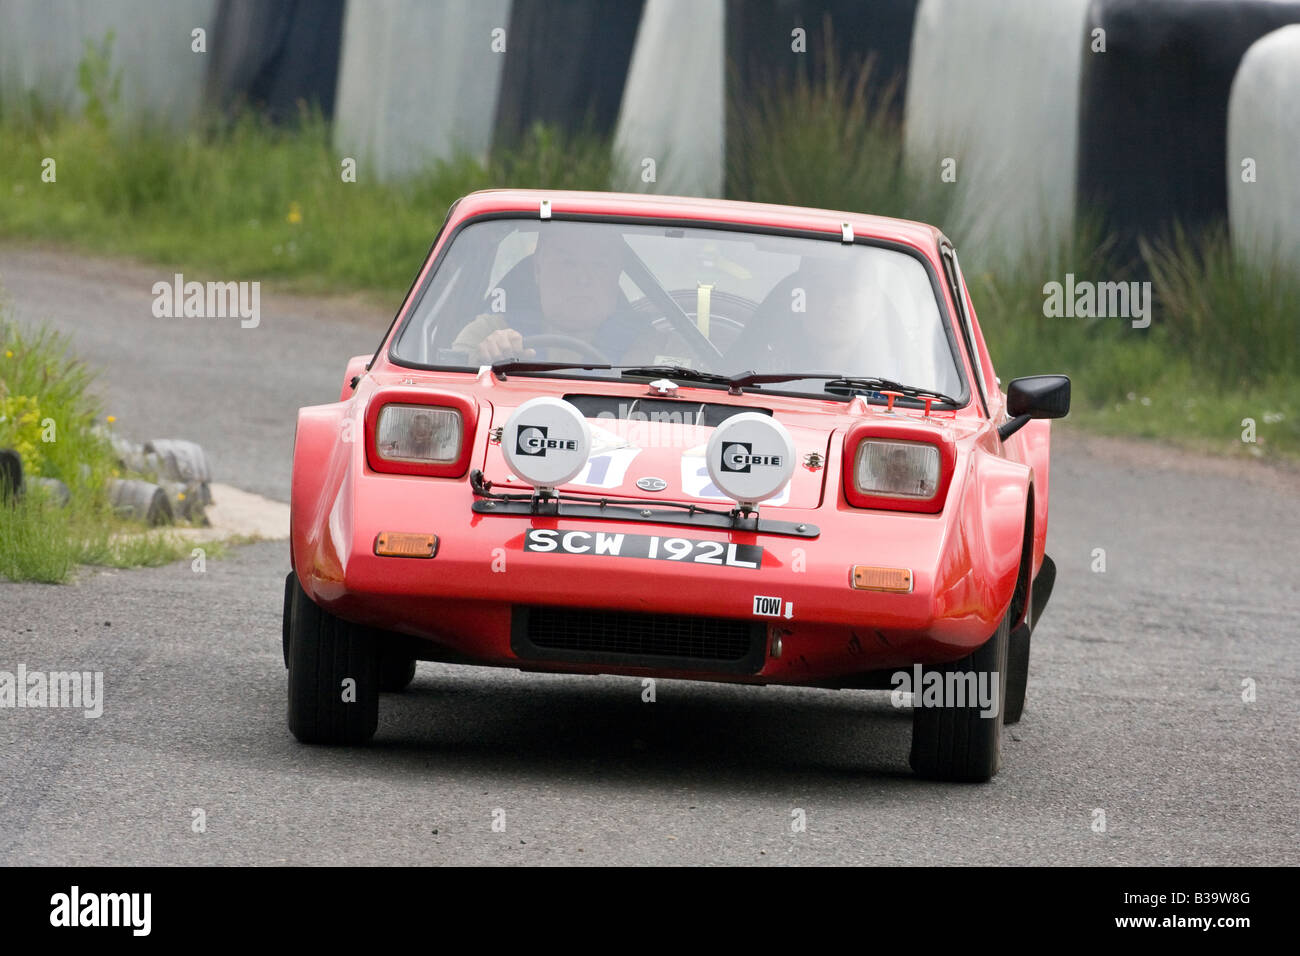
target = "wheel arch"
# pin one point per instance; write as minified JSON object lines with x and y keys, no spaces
{"x":1000,"y":520}
{"x":320,"y":461}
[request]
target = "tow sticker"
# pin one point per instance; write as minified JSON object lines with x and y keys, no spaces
{"x":766,"y":605}
{"x":617,"y":544}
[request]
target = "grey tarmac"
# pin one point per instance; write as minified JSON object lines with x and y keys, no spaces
{"x":1135,"y":705}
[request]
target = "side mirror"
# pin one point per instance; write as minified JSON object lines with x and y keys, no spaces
{"x":1035,"y":396}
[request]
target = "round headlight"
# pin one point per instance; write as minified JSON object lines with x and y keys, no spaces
{"x":750,"y":458}
{"x":546,"y":442}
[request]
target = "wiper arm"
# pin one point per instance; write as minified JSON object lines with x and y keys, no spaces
{"x":852,"y":384}
{"x":835,"y":381}
{"x":745,"y":379}
{"x":501,"y":366}
{"x":673,"y":371}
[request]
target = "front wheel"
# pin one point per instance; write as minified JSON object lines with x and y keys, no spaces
{"x":1017,"y":673}
{"x":395,"y":672}
{"x":333,"y":675}
{"x":958,"y":737}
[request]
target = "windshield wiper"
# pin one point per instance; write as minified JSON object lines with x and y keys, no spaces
{"x":745,"y":379}
{"x":501,"y":366}
{"x":851,"y":385}
{"x":836,"y":381}
{"x":674,"y":371}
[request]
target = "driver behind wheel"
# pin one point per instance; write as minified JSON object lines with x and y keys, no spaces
{"x":821,"y":317}
{"x":575,"y":272}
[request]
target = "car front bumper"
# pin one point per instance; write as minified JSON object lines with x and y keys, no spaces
{"x":811,"y":625}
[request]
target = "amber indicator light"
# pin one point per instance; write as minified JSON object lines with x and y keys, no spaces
{"x":400,"y":544}
{"x":866,"y":578}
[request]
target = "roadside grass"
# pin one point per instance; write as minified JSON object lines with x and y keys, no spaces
{"x":243,"y":200}
{"x":45,"y":411}
{"x":1221,"y":349}
{"x":247,"y":201}
{"x":1144,"y":383}
{"x":1233,"y":318}
{"x":829,"y":141}
{"x":47,"y":415}
{"x":42,"y":541}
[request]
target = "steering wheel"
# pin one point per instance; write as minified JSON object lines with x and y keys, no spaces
{"x":555,"y":340}
{"x":729,"y":314}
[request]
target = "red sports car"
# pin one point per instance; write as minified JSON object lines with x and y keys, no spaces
{"x":677,"y":438}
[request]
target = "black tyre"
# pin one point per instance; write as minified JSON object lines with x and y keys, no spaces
{"x":1018,"y":642}
{"x":1017,"y":673}
{"x":290,"y":588}
{"x":325,"y":654}
{"x":395,"y":672}
{"x":960,"y":743}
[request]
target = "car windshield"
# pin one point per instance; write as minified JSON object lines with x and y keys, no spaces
{"x":705,"y":299}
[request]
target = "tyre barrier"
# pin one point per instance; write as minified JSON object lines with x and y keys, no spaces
{"x":182,"y":469}
{"x":188,"y":499}
{"x":184,"y":497}
{"x":13,"y":484}
{"x":275,"y":56}
{"x":1153,"y":111}
{"x":1012,"y":140}
{"x":141,"y":500}
{"x":1264,"y":151}
{"x":438,"y":91}
{"x":182,"y":472}
{"x":56,"y":490}
{"x":177,"y":460}
{"x":11,"y":474}
{"x":130,"y":455}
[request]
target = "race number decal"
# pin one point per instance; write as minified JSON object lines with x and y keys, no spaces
{"x":697,"y":484}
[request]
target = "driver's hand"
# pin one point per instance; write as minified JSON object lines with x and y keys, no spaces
{"x":502,"y":344}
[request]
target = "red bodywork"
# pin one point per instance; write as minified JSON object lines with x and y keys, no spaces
{"x":965,"y":559}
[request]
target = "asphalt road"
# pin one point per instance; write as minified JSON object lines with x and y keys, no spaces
{"x":1135,"y":704}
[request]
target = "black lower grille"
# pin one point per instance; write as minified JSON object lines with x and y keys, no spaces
{"x":628,"y":637}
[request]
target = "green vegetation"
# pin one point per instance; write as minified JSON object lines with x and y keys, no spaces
{"x":1151,"y":383}
{"x":47,"y":415}
{"x":829,"y":144}
{"x":243,"y":200}
{"x":1221,"y":345}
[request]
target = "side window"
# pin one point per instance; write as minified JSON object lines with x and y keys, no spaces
{"x":983,"y":369}
{"x":957,"y":291}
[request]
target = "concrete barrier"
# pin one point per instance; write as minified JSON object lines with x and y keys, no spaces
{"x":1153,"y":110}
{"x":993,"y":85}
{"x":673,"y":110}
{"x":275,"y":55}
{"x":43,"y":41}
{"x":1263,"y":161}
{"x":565,"y":66}
{"x":417,"y":81}
{"x":765,"y":52}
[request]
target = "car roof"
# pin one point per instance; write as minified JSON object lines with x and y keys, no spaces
{"x":648,"y":205}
